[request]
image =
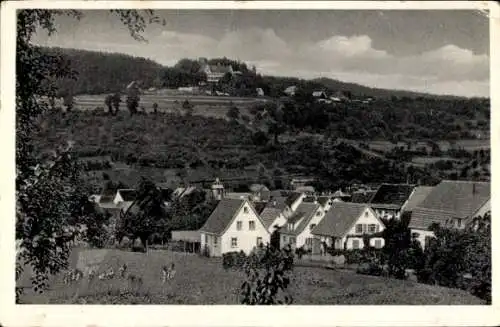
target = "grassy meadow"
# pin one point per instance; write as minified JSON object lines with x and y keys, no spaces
{"x":200,"y":280}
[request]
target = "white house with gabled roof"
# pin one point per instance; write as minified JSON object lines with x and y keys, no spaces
{"x":297,"y":229}
{"x":345,"y":224}
{"x":234,"y":225}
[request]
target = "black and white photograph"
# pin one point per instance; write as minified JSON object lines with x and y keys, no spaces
{"x":251,"y":156}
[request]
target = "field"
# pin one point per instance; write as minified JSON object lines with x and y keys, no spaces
{"x":214,"y":106}
{"x":203,"y":281}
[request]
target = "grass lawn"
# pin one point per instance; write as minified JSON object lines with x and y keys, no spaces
{"x":203,"y":281}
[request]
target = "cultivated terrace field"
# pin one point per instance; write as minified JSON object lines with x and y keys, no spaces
{"x":200,"y":280}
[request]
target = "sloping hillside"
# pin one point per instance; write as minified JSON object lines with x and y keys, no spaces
{"x":103,"y":72}
{"x":365,"y":91}
{"x":99,"y":72}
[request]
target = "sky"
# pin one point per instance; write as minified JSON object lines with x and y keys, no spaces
{"x":441,"y":52}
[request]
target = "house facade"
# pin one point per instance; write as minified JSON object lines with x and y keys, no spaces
{"x":296,"y":231}
{"x":389,"y":199}
{"x":234,"y":225}
{"x":451,"y":204}
{"x":214,"y":72}
{"x":345,"y":224}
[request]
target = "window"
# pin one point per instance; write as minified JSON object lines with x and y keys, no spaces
{"x":239,"y":225}
{"x":215,"y":240}
{"x":459,"y":223}
{"x":284,"y":238}
{"x":251,"y":225}
{"x":309,"y":241}
{"x":292,"y":240}
{"x":359,"y":228}
{"x":206,"y":238}
{"x":259,"y":241}
{"x":355,"y":244}
{"x":245,"y":209}
{"x":234,"y":242}
{"x":318,"y":213}
{"x":366,"y":213}
{"x":312,"y":226}
{"x":378,"y":244}
{"x":372,"y":228}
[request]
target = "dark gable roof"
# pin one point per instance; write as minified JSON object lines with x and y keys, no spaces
{"x":269,"y":215}
{"x":419,"y":194}
{"x":323,"y":200}
{"x":222,"y":215}
{"x":395,"y":194}
{"x":278,"y":202}
{"x":450,"y":199}
{"x":258,"y":188}
{"x":305,"y":210}
{"x":362,"y":196}
{"x":292,"y":198}
{"x":128,"y":195}
{"x":339,"y":219}
{"x":259,"y":206}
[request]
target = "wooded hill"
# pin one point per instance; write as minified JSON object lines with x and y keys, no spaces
{"x":103,"y":72}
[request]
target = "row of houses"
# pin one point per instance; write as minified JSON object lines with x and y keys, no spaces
{"x":242,"y":220}
{"x":313,"y":222}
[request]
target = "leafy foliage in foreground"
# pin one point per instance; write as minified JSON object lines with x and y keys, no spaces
{"x":461,"y":258}
{"x":45,"y":189}
{"x":267,"y":271}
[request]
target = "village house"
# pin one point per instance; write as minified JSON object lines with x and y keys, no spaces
{"x":234,"y":225}
{"x":362,"y":196}
{"x":307,"y":189}
{"x":214,"y":72}
{"x":300,"y":182}
{"x":273,"y":217}
{"x":296,"y":231}
{"x":345,"y":224}
{"x":294,"y":199}
{"x":319,"y":95}
{"x":181,"y":192}
{"x":325,"y":202}
{"x":290,"y":91}
{"x":450,"y":204}
{"x":340,"y":196}
{"x":275,"y":213}
{"x":260,"y":192}
{"x":389,"y":199}
{"x":124,"y":197}
{"x":417,"y":196}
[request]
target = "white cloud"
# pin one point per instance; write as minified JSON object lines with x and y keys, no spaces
{"x":449,"y":69}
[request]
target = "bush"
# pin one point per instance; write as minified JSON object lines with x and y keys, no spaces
{"x":234,"y":259}
{"x":301,"y":251}
{"x":371,"y":268}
